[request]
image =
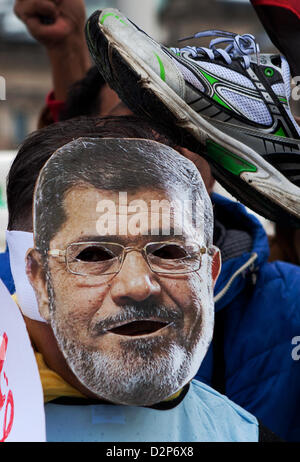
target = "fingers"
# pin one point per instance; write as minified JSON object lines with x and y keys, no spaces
{"x":28,"y":9}
{"x":52,"y":22}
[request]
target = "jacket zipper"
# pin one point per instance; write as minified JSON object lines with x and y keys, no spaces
{"x":239,"y":271}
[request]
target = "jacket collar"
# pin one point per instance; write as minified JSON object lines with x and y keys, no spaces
{"x":236,"y":271}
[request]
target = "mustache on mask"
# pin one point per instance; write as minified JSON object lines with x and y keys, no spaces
{"x":142,"y":311}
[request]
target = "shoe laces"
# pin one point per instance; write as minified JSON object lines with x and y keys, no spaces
{"x":239,"y":47}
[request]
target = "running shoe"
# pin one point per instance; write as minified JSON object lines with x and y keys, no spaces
{"x":230,"y":105}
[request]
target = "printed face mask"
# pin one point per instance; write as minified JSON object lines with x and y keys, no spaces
{"x":132,"y":311}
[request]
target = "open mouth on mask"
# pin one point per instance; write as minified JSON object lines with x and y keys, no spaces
{"x":138,"y":328}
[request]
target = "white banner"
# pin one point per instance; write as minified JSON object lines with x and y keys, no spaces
{"x":22,"y":416}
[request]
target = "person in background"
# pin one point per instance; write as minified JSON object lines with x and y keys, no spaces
{"x":59,"y":26}
{"x":128,"y":316}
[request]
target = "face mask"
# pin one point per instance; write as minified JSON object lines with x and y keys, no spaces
{"x":18,"y":243}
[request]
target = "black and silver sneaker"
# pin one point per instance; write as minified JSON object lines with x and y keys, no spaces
{"x":229,"y":105}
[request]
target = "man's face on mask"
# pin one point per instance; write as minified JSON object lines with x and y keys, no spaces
{"x":135,"y":336}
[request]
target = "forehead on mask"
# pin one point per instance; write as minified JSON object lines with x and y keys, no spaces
{"x":117,"y":165}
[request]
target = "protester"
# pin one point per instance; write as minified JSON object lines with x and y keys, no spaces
{"x":239,"y":238}
{"x":131,"y":313}
{"x":256,"y":302}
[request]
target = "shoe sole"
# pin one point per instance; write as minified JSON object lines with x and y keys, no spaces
{"x":266,"y":191}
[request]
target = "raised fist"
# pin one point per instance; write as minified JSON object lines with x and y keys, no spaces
{"x":52,"y":22}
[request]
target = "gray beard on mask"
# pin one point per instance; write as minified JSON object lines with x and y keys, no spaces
{"x":146,"y":371}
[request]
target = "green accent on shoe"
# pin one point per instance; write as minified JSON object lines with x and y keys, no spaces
{"x":227,"y":159}
{"x":106,"y":16}
{"x":211,"y":79}
{"x":269,"y":72}
{"x":282,"y":99}
{"x":220,"y":101}
{"x":161,"y":67}
{"x":114,"y":15}
{"x":280,"y":132}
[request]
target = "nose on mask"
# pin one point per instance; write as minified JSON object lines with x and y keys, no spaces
{"x":18,"y":243}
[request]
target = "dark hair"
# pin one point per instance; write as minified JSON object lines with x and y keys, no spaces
{"x":83,"y":96}
{"x":113,"y":164}
{"x":40,"y":145}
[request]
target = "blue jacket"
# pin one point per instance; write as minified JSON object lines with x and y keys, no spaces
{"x":260,"y":311}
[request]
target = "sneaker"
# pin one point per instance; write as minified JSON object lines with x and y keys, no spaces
{"x":229,"y":105}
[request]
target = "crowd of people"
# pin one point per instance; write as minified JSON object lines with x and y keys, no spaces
{"x":181,"y":336}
